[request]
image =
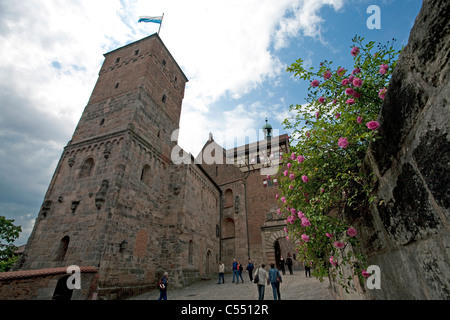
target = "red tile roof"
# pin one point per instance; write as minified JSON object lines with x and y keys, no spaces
{"x":41,"y":272}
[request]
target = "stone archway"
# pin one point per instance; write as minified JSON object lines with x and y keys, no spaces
{"x":270,"y":244}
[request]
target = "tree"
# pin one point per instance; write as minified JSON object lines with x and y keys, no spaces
{"x":8,"y":234}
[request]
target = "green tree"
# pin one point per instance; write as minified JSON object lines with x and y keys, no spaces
{"x":322,"y":178}
{"x":8,"y":234}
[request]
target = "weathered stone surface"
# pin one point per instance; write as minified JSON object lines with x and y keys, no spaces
{"x":406,"y":231}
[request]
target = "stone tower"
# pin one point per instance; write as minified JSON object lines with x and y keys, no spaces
{"x":116,"y":201}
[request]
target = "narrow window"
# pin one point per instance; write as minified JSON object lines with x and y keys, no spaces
{"x":164,"y":98}
{"x":62,"y":249}
{"x":191,"y":250}
{"x":136,"y":52}
{"x":116,"y":86}
{"x":86,"y":168}
{"x":117,"y":60}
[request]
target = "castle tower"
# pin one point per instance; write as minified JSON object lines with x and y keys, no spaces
{"x":116,"y":201}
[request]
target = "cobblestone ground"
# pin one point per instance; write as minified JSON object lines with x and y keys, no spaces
{"x":293,"y":287}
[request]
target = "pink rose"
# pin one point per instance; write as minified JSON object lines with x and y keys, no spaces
{"x":276,"y":196}
{"x":372,"y":125}
{"x":349,"y":91}
{"x":350,"y":101}
{"x":345,"y":82}
{"x":329,"y":235}
{"x":327,"y":74}
{"x":356,"y":94}
{"x":321,"y":99}
{"x":292,"y":176}
{"x":285,"y":173}
{"x":357,"y":82}
{"x":339,"y":244}
{"x":337,"y":115}
{"x":293,"y":211}
{"x":356,"y":71}
{"x":300,"y":215}
{"x":283,"y":199}
{"x":340,"y":72}
{"x":315,"y":83}
{"x":289,"y":165}
{"x":292,"y":156}
{"x":305,"y":222}
{"x":352,"y":232}
{"x":300,"y":159}
{"x":343,"y":143}
{"x":305,"y":179}
{"x":333,"y":261}
{"x":359,"y":119}
{"x":355,"y":51}
{"x":291,"y":187}
{"x":365,"y":274}
{"x":382,"y":93}
{"x":305,"y":237}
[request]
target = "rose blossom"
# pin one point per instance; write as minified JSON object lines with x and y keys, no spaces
{"x":333,"y":261}
{"x":315,"y":83}
{"x":350,"y":101}
{"x":300,"y":159}
{"x":329,"y":235}
{"x":382,"y":93}
{"x":352,"y":232}
{"x":327,"y":74}
{"x":349,"y":91}
{"x":340,"y":72}
{"x":372,"y":125}
{"x":321,"y":99}
{"x":305,"y":222}
{"x":291,"y":176}
{"x":365,"y":274}
{"x":357,"y":82}
{"x":339,"y":244}
{"x":343,"y":143}
{"x":355,"y":51}
{"x":356,"y":71}
{"x":305,"y":237}
{"x":359,"y":119}
{"x":305,"y":178}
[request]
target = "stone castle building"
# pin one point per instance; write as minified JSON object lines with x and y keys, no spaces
{"x":119,"y":207}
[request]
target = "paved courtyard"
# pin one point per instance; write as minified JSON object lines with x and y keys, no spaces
{"x":294,"y":287}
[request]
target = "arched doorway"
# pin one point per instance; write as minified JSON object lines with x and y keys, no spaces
{"x":62,"y":292}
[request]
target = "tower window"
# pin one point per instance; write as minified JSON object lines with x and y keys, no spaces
{"x":62,"y":250}
{"x":116,"y":86}
{"x":136,"y":52}
{"x":117,"y":60}
{"x":164,"y":98}
{"x":164,"y":63}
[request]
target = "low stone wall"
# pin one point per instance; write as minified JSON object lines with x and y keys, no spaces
{"x":41,"y":284}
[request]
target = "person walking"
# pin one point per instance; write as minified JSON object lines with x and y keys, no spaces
{"x":163,"y":287}
{"x":250,"y":268}
{"x":307,"y":270}
{"x":289,"y":263}
{"x":240,"y":268}
{"x":235,"y":271}
{"x":262,"y":277}
{"x":221,"y":272}
{"x":275,"y":280}
{"x":282,"y":265}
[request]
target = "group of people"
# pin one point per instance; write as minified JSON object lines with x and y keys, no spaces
{"x":260,"y":276}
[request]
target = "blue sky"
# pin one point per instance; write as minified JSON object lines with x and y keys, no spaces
{"x":234,"y":52}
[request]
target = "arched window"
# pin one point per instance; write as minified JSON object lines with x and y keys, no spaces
{"x":228,"y":198}
{"x":86,"y":168}
{"x":191,"y":251}
{"x":62,"y":249}
{"x":146,"y":175}
{"x":228,"y":230}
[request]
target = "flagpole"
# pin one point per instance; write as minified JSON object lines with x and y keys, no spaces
{"x":161,"y":23}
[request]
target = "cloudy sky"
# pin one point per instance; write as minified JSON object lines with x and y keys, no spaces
{"x":234,"y":52}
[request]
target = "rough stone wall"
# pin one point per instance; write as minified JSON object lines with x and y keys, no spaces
{"x":406,"y":232}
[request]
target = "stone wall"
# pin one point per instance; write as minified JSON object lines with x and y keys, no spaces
{"x":406,"y":232}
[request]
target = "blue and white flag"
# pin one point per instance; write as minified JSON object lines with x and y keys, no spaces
{"x":150,"y":19}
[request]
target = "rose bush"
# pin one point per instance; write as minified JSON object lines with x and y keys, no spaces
{"x":329,"y":141}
